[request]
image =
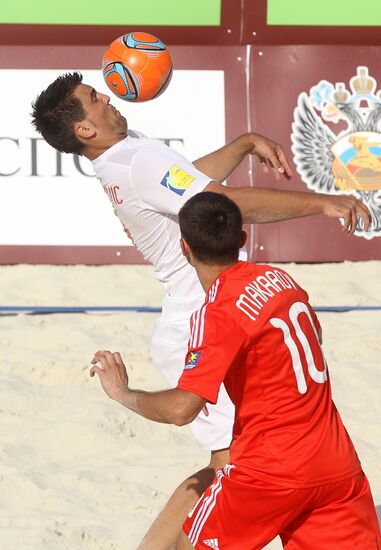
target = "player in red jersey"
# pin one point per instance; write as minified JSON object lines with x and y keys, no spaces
{"x":293,"y":469}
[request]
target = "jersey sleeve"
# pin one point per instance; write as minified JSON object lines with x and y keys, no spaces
{"x":163,"y":179}
{"x":214,"y":345}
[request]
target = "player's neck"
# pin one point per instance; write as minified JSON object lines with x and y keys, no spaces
{"x":95,"y":150}
{"x":208,"y":273}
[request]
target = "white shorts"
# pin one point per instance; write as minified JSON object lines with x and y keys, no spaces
{"x":168,"y":348}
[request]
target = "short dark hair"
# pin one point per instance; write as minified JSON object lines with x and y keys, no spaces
{"x":211,"y":224}
{"x":56,"y":110}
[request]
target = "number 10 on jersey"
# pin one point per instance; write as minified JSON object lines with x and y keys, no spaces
{"x":318,"y":376}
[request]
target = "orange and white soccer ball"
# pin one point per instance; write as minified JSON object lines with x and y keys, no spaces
{"x":137,"y":66}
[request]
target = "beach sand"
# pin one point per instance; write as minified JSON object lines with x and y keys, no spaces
{"x":77,"y":471}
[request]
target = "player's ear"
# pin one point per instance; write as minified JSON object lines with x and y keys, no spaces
{"x":184,"y":248}
{"x":243,"y":239}
{"x":84,"y":129}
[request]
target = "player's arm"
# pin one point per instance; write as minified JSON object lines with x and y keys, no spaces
{"x":271,"y":205}
{"x":221,"y":163}
{"x":173,"y":406}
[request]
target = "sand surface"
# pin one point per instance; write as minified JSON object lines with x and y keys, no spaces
{"x":77,"y":471}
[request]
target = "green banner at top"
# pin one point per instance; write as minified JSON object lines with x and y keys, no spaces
{"x":117,"y":12}
{"x":338,"y":13}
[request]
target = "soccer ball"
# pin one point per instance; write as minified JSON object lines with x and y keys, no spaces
{"x":137,"y":66}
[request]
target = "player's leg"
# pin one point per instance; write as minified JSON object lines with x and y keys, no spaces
{"x":212,"y":432}
{"x":165,"y":530}
{"x":215,"y":428}
{"x":344,"y":517}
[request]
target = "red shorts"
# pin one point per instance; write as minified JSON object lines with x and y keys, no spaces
{"x":238,"y":512}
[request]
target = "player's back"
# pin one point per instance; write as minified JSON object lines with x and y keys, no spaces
{"x":287,"y":427}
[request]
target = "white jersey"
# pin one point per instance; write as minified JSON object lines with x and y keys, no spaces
{"x":147,"y":183}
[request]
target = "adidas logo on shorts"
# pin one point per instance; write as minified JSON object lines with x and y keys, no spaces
{"x":213,"y":543}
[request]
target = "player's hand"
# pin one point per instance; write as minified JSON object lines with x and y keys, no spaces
{"x":347,"y":208}
{"x":112,"y":373}
{"x":271,"y":156}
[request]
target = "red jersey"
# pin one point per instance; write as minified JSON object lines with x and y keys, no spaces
{"x":257,"y":334}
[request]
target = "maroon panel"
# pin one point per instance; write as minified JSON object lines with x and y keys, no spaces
{"x":92,"y":255}
{"x":242,"y":22}
{"x":230,"y":59}
{"x":278,"y":76}
{"x":256,"y":31}
{"x":227,"y":33}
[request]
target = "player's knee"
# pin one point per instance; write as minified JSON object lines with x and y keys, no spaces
{"x":219,"y":459}
{"x":198,"y":482}
{"x":183,"y":543}
{"x":201,"y":480}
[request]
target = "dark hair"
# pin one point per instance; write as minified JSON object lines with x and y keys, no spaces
{"x":56,"y":110}
{"x":212,"y":226}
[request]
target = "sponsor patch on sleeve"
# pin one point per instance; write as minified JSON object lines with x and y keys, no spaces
{"x":192,"y":360}
{"x":177,"y":180}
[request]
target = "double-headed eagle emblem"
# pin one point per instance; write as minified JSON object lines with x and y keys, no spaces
{"x":348,"y":162}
